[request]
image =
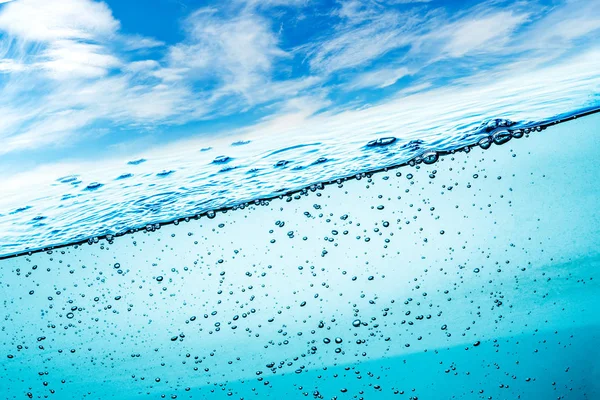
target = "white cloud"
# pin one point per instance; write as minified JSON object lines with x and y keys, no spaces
{"x":364,"y":37}
{"x":223,"y":66}
{"x":369,"y":31}
{"x":240,"y":51}
{"x":572,"y":29}
{"x":67,"y":34}
{"x":557,"y":29}
{"x":355,"y":11}
{"x":236,"y":57}
{"x":379,"y":78}
{"x":53,"y":130}
{"x":144,"y":65}
{"x":137,"y":42}
{"x":52,"y":50}
{"x":9,"y":66}
{"x":68,"y":59}
{"x":476,"y":33}
{"x":274,"y":3}
{"x":44,"y":21}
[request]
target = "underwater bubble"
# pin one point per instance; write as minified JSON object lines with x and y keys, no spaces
{"x":485,"y":143}
{"x":430,"y":157}
{"x":518,"y":133}
{"x":501,"y":137}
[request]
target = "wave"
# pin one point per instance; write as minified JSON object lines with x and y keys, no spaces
{"x":136,"y":198}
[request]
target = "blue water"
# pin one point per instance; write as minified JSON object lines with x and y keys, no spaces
{"x":476,"y":276}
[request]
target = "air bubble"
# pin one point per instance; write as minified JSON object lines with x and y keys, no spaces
{"x":485,"y":143}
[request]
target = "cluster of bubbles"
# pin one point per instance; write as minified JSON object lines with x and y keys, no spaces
{"x":380,"y":285}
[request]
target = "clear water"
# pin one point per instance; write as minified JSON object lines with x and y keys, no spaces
{"x":473,"y":277}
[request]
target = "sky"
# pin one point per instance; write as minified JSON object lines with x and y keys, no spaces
{"x":89,"y":80}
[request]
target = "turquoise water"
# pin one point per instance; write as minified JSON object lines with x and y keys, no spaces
{"x":474,"y":277}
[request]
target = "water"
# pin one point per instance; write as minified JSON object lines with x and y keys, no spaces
{"x":472,"y":277}
{"x":74,"y":200}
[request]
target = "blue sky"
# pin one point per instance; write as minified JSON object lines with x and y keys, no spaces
{"x":88,"y":79}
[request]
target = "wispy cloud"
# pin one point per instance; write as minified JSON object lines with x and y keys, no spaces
{"x":273,"y":3}
{"x":9,"y":66}
{"x":239,"y":52}
{"x":137,"y":42}
{"x":73,"y":66}
{"x":363,"y":34}
{"x":414,"y":38}
{"x":482,"y":33}
{"x":380,"y":78}
{"x":68,"y":33}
